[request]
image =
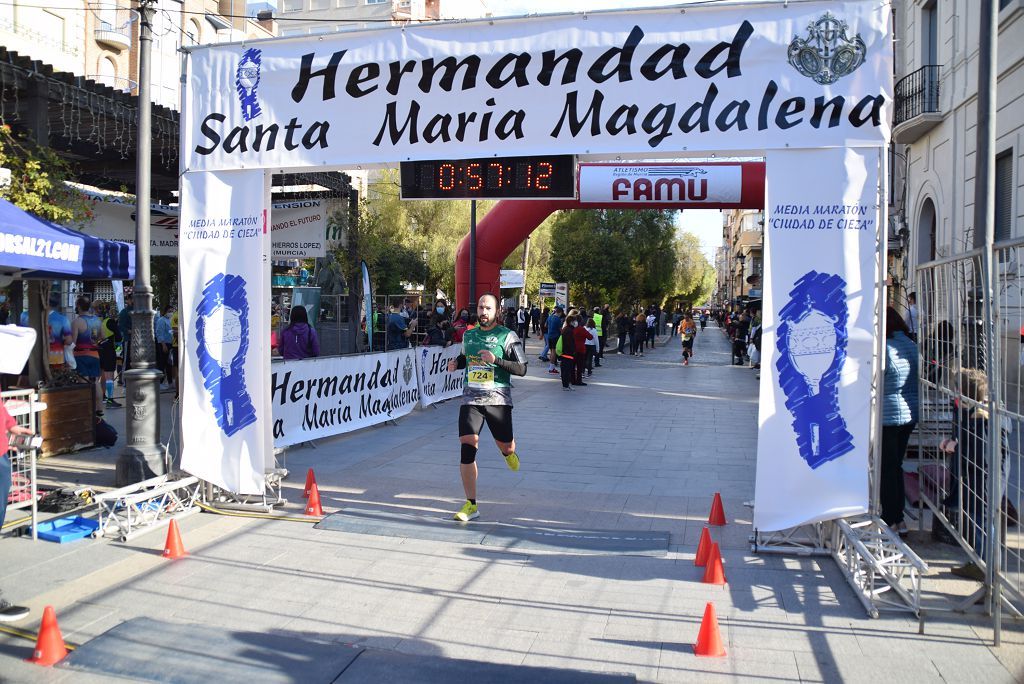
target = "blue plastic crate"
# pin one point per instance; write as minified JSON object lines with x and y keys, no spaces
{"x":65,"y":530}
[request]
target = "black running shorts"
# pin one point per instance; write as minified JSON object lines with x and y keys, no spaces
{"x":108,"y":356}
{"x":498,"y":418}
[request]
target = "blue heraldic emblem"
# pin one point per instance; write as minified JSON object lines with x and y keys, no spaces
{"x":247,"y":81}
{"x":222,"y":339}
{"x":811,"y":341}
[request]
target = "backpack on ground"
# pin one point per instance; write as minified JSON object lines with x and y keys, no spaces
{"x":106,"y":434}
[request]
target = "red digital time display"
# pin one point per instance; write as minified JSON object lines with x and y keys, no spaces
{"x":537,"y":177}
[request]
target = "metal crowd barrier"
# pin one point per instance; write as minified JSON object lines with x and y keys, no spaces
{"x":24,"y":405}
{"x":973,"y":486}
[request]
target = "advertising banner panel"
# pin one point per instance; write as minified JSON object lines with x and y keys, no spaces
{"x":817,"y":345}
{"x":437,"y":383}
{"x":225,"y":328}
{"x":315,"y":398}
{"x":608,"y":84}
{"x":511,"y":278}
{"x":299,"y":230}
{"x":636,"y":184}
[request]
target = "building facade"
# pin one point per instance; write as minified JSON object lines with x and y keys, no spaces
{"x":935,"y":126}
{"x":742,"y":255}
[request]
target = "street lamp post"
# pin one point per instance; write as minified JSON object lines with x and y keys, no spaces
{"x":142,"y":456}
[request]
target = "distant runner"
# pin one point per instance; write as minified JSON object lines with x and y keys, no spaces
{"x":688,"y":331}
{"x":490,"y":353}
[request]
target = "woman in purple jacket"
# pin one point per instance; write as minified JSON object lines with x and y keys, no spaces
{"x":298,"y":340}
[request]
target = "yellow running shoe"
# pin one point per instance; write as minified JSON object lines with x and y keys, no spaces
{"x":512,"y":460}
{"x":469,"y":511}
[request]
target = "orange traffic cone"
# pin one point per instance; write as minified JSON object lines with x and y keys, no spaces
{"x":703,"y":547}
{"x":717,"y":516}
{"x":709,"y":641}
{"x":310,"y":481}
{"x":313,"y":505}
{"x":714,"y":573}
{"x":50,"y":644}
{"x":173,"y":548}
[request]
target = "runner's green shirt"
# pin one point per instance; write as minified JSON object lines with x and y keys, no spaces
{"x":487,"y":384}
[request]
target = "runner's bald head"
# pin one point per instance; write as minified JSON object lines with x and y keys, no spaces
{"x":488,"y":295}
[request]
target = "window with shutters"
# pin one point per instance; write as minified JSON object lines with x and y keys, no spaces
{"x":1004,"y":196}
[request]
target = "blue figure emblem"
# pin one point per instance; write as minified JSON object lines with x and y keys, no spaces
{"x":812,"y":340}
{"x":247,"y":81}
{"x":222,"y":339}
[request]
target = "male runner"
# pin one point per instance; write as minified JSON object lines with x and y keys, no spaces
{"x":490,"y":353}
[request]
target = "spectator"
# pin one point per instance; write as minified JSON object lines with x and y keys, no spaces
{"x":598,"y":332}
{"x":899,"y":416}
{"x":299,"y":340}
{"x":8,"y":612}
{"x":535,"y":319}
{"x":544,"y":332}
{"x":60,"y":332}
{"x":398,"y":329}
{"x":555,"y":331}
{"x":164,"y":343}
{"x":565,"y":347}
{"x":108,"y":353}
{"x":459,"y":326}
{"x":591,"y":347}
{"x":636,"y":345}
{"x":124,"y":325}
{"x":581,"y":336}
{"x":622,"y":325}
{"x":522,"y":323}
{"x":87,"y":332}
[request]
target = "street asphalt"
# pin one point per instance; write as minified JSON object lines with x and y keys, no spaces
{"x":643,"y":448}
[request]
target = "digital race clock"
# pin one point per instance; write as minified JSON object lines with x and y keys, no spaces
{"x":539,"y":177}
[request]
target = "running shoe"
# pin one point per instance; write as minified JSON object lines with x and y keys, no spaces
{"x":468,"y":512}
{"x":552,"y":371}
{"x":512,"y":461}
{"x":11,"y":613}
{"x":112,"y":403}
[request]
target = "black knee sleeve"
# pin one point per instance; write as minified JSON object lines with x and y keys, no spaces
{"x":468,"y":454}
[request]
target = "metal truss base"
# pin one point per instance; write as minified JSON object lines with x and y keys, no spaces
{"x":136,"y":509}
{"x":805,"y":540}
{"x":263,"y":503}
{"x":885,"y":572}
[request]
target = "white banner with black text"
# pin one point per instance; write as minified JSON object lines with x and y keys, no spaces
{"x":224,"y":318}
{"x":437,"y":383}
{"x":626,"y":82}
{"x":314,"y":398}
{"x":818,"y":340}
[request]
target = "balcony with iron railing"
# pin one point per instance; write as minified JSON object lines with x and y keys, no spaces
{"x":918,"y":107}
{"x":116,"y":37}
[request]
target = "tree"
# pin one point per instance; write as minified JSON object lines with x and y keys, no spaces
{"x":624,"y":256}
{"x":694,"y":276}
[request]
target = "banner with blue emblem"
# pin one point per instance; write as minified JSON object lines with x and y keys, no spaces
{"x":225,"y":329}
{"x":822,"y":237}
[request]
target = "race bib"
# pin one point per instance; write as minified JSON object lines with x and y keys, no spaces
{"x":481,"y":376}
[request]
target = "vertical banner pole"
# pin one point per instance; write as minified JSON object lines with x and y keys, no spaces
{"x":878,"y":370}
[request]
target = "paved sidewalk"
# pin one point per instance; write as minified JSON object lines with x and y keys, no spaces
{"x":643,"y":447}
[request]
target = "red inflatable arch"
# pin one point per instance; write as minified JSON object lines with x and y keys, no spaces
{"x":511,"y":221}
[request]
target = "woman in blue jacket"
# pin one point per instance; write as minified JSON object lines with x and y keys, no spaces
{"x":899,"y":416}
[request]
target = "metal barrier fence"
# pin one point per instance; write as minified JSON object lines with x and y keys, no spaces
{"x":969,"y":438}
{"x":23,"y":407}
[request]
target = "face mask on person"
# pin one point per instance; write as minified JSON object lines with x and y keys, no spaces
{"x":440,"y":309}
{"x":575,"y":324}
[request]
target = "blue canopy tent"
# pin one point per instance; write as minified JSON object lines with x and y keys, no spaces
{"x":32,"y":248}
